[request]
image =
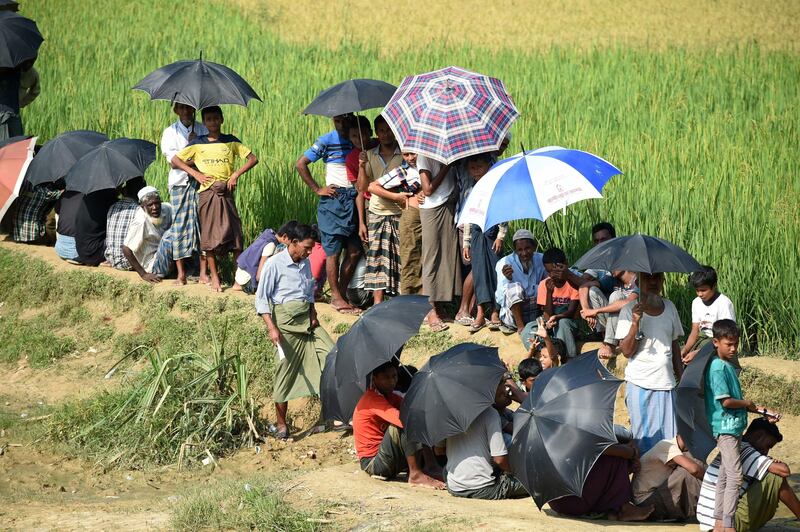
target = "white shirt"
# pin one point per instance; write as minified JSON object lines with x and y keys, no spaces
{"x":706,"y":315}
{"x":469,"y":455}
{"x":174,"y":139}
{"x":653,"y":469}
{"x":651,"y":365}
{"x":446,"y":187}
{"x":144,"y":237}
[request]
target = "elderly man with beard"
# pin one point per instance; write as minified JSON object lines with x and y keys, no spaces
{"x":148,"y":244}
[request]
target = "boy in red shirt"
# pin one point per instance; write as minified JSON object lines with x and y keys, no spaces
{"x":380,"y":441}
{"x":559,"y":300}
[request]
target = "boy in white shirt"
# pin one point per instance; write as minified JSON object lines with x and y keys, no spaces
{"x":709,"y":306}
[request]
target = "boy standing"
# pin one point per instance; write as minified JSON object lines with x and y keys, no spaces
{"x":183,"y":191}
{"x":213,"y":156}
{"x":336,"y":212}
{"x":361,"y":137}
{"x":727,"y":413}
{"x":558,"y":300}
{"x":708,"y":307}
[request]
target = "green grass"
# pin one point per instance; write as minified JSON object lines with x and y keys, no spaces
{"x":706,"y":138}
{"x":249,"y":504}
{"x":32,"y":339}
{"x":773,"y":391}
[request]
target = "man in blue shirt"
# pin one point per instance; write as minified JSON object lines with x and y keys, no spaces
{"x":336,"y":213}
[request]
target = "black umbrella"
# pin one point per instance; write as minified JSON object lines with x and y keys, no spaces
{"x":638,"y":253}
{"x":374,"y":339}
{"x":690,"y":406}
{"x":339,"y":400}
{"x":563,"y":427}
{"x":55,"y":159}
{"x":19,"y":39}
{"x":110,"y":165}
{"x":450,"y":391}
{"x":378,"y":334}
{"x":197,"y":83}
{"x":351,"y":96}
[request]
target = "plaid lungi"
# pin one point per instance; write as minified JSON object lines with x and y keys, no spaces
{"x":383,"y":255}
{"x":185,"y":226}
{"x":162,"y":265}
{"x":119,"y":220}
{"x":32,"y":207}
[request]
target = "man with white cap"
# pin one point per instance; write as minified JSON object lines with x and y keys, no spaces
{"x":518,"y":276}
{"x":148,"y":244}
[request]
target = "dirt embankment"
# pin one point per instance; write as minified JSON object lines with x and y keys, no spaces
{"x":42,"y":489}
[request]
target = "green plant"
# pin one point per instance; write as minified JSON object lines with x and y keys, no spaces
{"x":251,"y":504}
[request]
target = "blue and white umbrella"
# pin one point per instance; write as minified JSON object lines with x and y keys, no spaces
{"x":535,"y":184}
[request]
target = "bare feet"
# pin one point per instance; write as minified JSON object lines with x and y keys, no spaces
{"x":236,"y":287}
{"x":203,"y":279}
{"x":341,"y":306}
{"x":629,"y":512}
{"x":214,"y":286}
{"x":606,"y":351}
{"x":180,"y":281}
{"x":423,"y":480}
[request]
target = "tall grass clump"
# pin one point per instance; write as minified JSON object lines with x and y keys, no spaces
{"x":706,"y":136}
{"x":183,"y":408}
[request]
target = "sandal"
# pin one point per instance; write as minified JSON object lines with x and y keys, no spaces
{"x":282,"y":434}
{"x":505,"y":329}
{"x":438,"y":326}
{"x":493,"y":325}
{"x":353,"y":311}
{"x":475,"y":327}
{"x":466,"y":321}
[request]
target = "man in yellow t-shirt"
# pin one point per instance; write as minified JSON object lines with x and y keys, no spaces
{"x":213,"y":156}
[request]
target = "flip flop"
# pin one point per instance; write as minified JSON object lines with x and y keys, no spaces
{"x":347,"y":310}
{"x":475,"y":327}
{"x":282,"y":434}
{"x":466,"y":321}
{"x":438,"y":326}
{"x":493,"y":325}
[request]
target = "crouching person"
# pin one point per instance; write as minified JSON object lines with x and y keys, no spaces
{"x":380,"y":441}
{"x":477,"y":460}
{"x":148,"y":243}
{"x":669,"y":479}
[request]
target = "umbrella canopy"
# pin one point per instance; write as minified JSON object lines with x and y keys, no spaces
{"x":563,"y":427}
{"x":110,"y":165}
{"x":19,"y":39}
{"x":56,"y":157}
{"x":690,"y":406}
{"x":15,"y":157}
{"x":338,"y":400}
{"x":638,"y":253}
{"x":535,"y":184}
{"x":450,"y":113}
{"x":450,"y":391}
{"x":197,"y":83}
{"x":372,"y":340}
{"x":351,"y":96}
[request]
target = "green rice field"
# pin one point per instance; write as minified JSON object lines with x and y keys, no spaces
{"x":707,"y":135}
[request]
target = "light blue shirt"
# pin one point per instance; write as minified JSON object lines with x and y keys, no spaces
{"x":528,"y":280}
{"x":284,"y":280}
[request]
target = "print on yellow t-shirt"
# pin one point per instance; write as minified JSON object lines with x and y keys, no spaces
{"x":215,"y":159}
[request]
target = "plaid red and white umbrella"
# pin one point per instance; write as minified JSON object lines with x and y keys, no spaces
{"x":15,"y":157}
{"x":450,"y":113}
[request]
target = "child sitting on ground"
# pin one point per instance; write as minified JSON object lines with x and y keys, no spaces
{"x":550,"y":352}
{"x":251,"y":261}
{"x":726,"y":410}
{"x":381,"y":444}
{"x":708,"y":307}
{"x":558,"y":300}
{"x":528,"y":370}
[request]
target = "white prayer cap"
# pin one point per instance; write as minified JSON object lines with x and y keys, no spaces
{"x":146,"y":191}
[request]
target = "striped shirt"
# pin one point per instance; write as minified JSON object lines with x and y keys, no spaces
{"x":755,"y":467}
{"x":332,"y":148}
